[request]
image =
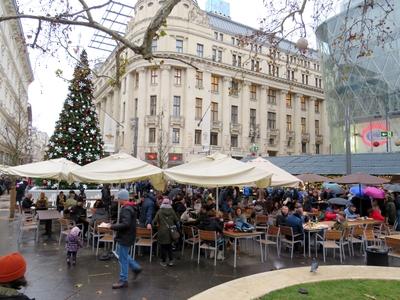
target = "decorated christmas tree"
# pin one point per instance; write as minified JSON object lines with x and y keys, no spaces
{"x":77,"y":134}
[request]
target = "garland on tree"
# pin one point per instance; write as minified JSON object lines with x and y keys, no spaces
{"x":77,"y":134}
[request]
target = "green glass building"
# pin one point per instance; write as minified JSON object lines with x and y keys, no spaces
{"x":368,"y":85}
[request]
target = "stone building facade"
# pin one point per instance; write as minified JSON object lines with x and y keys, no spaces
{"x":234,"y":96}
{"x":15,"y":76}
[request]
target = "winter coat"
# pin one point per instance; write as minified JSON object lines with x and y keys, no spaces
{"x":147,"y":211}
{"x":126,"y":228}
{"x":27,"y":203}
{"x":391,"y":212}
{"x":376,"y":215}
{"x":165,"y":218}
{"x":211,"y":224}
{"x":73,"y":243}
{"x":100,"y":214}
{"x":12,"y":294}
{"x":296,"y":223}
{"x":179,"y":208}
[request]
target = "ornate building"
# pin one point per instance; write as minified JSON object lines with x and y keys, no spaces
{"x":15,"y":76}
{"x":234,"y":96}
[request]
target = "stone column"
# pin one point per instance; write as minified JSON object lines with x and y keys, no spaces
{"x":281,"y":121}
{"x":244,"y":116}
{"x":262,"y":116}
{"x":129,"y":100}
{"x":297,"y":121}
{"x":324,"y":128}
{"x":225,"y":116}
{"x":143,"y":110}
{"x":311,"y":124}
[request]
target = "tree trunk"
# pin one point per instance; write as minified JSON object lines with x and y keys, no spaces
{"x":13,"y":200}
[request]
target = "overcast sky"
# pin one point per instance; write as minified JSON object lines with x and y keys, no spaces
{"x":47,"y":93}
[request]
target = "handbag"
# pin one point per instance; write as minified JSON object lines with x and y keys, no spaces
{"x":173,"y":230}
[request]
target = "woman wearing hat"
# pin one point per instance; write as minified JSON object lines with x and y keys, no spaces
{"x":164,"y":220}
{"x":12,"y":276}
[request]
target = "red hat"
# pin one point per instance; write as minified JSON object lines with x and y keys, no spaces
{"x":12,"y":267}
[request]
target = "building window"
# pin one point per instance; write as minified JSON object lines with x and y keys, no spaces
{"x":123,"y":111}
{"x":253,"y":92}
{"x":303,"y":125}
{"x":176,"y":109}
{"x":289,"y":126}
{"x":233,"y":40}
{"x":303,"y":103}
{"x":175,"y":135}
{"x":316,"y":106}
{"x":234,"y":89}
{"x":216,"y":35}
{"x":234,"y":114}
{"x":289,"y":100}
{"x":219,"y":56}
{"x":137,"y":80}
{"x":239,"y":61}
{"x":234,"y":60}
{"x":199,"y":80}
{"x":152,"y":135}
{"x":273,"y":70}
{"x":214,"y":139}
{"x":320,"y":83}
{"x":179,"y":46}
{"x":253,"y":118}
{"x":153,"y":76}
{"x":221,"y":37}
{"x":304,"y":148}
{"x":234,"y":141}
{"x":197,"y":137}
{"x":214,"y":54}
{"x":255,"y":65}
{"x":214,"y":83}
{"x":199,"y":109}
{"x":317,"y":149}
{"x":316,"y":127}
{"x":271,"y":96}
{"x":153,"y":105}
{"x":271,"y":121}
{"x":214,"y":111}
{"x":304,"y":78}
{"x":200,"y":50}
{"x":178,"y":77}
{"x":154,"y":45}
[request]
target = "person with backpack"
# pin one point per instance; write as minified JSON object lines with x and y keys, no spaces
{"x":125,"y":238}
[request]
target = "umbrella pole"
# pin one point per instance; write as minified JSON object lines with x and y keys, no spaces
{"x":359,"y":188}
{"x":217,"y":199}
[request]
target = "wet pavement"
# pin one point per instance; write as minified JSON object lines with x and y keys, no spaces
{"x":50,"y":278}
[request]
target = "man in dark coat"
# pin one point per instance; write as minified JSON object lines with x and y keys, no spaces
{"x":147,"y":211}
{"x":125,"y":238}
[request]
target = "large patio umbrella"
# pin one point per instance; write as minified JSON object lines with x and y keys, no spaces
{"x":58,"y":169}
{"x":334,"y":187}
{"x":374,"y":192}
{"x":119,"y":168}
{"x":360,"y":178}
{"x":313,"y":178}
{"x":219,"y":170}
{"x":392,"y":187}
{"x":338,"y":201}
{"x":279,"y":176}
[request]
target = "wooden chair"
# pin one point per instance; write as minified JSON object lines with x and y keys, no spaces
{"x":65,"y":227}
{"x":289,"y":238}
{"x":383,"y":232}
{"x":346,"y":241}
{"x":394,"y":247}
{"x":271,"y":238}
{"x":190,"y":237}
{"x":106,"y":236}
{"x":332,"y":239}
{"x":261,"y":222}
{"x":207,"y":237}
{"x":356,"y":237}
{"x":370,"y":239}
{"x":144,"y":238}
{"x":93,"y":232}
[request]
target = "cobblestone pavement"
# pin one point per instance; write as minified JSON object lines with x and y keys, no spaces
{"x":50,"y":278}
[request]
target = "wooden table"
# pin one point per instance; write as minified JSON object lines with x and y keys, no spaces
{"x":360,"y":222}
{"x":317,"y":227}
{"x":242,"y":235}
{"x":46,"y":215}
{"x":394,"y":237}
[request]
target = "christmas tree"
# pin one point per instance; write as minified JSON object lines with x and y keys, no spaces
{"x":77,"y":134}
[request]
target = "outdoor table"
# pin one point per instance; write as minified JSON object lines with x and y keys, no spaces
{"x":363,"y":222}
{"x":394,"y":237}
{"x":242,"y":235}
{"x":46,"y":215}
{"x":315,"y":228}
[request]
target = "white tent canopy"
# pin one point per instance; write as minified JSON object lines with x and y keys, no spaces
{"x":58,"y":169}
{"x":119,"y":168}
{"x":280,"y":177}
{"x":219,"y":170}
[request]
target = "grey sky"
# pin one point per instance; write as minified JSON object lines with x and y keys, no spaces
{"x":47,"y":93}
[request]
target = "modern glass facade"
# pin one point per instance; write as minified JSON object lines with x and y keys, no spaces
{"x":369,"y":84}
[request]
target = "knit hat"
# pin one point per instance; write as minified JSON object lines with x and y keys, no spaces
{"x":12,"y":267}
{"x":123,"y":194}
{"x":75,"y":231}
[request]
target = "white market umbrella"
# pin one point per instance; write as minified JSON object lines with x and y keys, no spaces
{"x":280,"y":177}
{"x":119,"y":168}
{"x":58,"y":169}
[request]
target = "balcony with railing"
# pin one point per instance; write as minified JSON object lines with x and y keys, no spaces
{"x":319,"y":139}
{"x":177,"y":121}
{"x":150,"y":120}
{"x":236,"y":128}
{"x":305,"y":137}
{"x":216,"y":125}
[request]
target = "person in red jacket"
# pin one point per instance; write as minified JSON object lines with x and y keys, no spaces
{"x":375,"y":213}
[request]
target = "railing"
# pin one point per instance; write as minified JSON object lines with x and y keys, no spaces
{"x":52,"y":194}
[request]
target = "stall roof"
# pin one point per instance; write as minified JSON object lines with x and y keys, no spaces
{"x":371,"y":163}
